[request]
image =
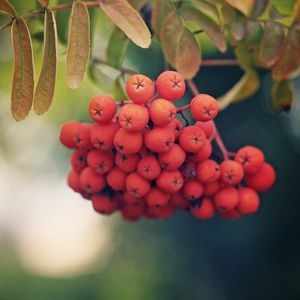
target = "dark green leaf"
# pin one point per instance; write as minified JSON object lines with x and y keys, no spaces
{"x":188,"y":58}
{"x":117,"y":48}
{"x":281,"y":95}
{"x":259,"y":7}
{"x":274,"y":14}
{"x":62,"y":22}
{"x":7,"y":8}
{"x":254,"y":34}
{"x":272,"y":44}
{"x":243,"y":56}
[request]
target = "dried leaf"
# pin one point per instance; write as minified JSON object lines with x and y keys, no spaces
{"x":244,"y":6}
{"x":170,"y":36}
{"x":23,"y":74}
{"x":281,"y":96}
{"x":160,"y":11}
{"x":274,"y":14}
{"x":128,"y":20}
{"x":259,"y":7}
{"x":289,"y":61}
{"x":188,"y":59}
{"x":208,"y":25}
{"x":7,"y":8}
{"x":44,"y":3}
{"x":296,"y":12}
{"x":78,"y":44}
{"x":45,"y":87}
{"x":243,"y":89}
{"x":272,"y":44}
{"x":117,"y":48}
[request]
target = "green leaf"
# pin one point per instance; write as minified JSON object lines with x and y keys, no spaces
{"x":118,"y":89}
{"x":7,"y":8}
{"x":78,"y":45}
{"x":128,"y":20}
{"x":23,"y":74}
{"x":272,"y":44}
{"x":289,"y":61}
{"x":244,"y":6}
{"x":259,"y":7}
{"x":243,"y":89}
{"x":274,"y":14}
{"x":254,"y":33}
{"x":45,"y":87}
{"x":207,"y":8}
{"x":44,"y":3}
{"x":281,"y":95}
{"x":243,"y":56}
{"x":208,"y":25}
{"x":170,"y":36}
{"x":188,"y":58}
{"x":238,"y":29}
{"x":160,"y":12}
{"x":117,"y":48}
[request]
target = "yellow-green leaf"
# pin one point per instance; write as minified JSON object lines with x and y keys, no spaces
{"x":188,"y":58}
{"x":160,"y":12}
{"x":243,"y":89}
{"x":170,"y":36}
{"x":117,"y":48}
{"x":128,"y":20}
{"x":23,"y":74}
{"x":44,"y":3}
{"x":272,"y":44}
{"x":7,"y":8}
{"x":281,"y":95}
{"x":213,"y":31}
{"x":78,"y":45}
{"x":46,"y":84}
{"x":243,"y":56}
{"x":289,"y":61}
{"x":244,"y":6}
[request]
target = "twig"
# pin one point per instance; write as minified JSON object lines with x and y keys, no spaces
{"x":179,"y":109}
{"x":187,"y":123}
{"x":219,"y":62}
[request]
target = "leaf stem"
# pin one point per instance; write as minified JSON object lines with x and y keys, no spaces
{"x":217,"y":137}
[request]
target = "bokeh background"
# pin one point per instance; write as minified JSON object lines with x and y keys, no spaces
{"x":54,"y":246}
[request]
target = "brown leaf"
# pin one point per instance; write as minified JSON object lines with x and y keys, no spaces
{"x":23,"y":74}
{"x":160,"y":11}
{"x":78,"y":45}
{"x":282,"y":96}
{"x":170,"y":36}
{"x":244,"y":6}
{"x":290,"y":58}
{"x":296,"y":12}
{"x":272,"y":44}
{"x":7,"y":8}
{"x":44,"y":3}
{"x":259,"y":7}
{"x":45,"y":86}
{"x":188,"y":59}
{"x":128,"y":20}
{"x":207,"y":24}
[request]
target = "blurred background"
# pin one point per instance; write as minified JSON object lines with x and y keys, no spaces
{"x":54,"y":246}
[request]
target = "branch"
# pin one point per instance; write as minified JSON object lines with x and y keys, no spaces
{"x":218,"y":137}
{"x":123,"y":71}
{"x":219,"y":62}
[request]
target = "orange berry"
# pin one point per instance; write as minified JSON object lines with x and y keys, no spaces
{"x":102,"y":108}
{"x":136,"y":185}
{"x":203,"y":154}
{"x":205,"y":210}
{"x":162,"y":112}
{"x":192,"y":189}
{"x":232,"y":172}
{"x":78,"y":160}
{"x":172,"y":159}
{"x":208,"y":171}
{"x":204,"y":107}
{"x":101,"y":162}
{"x":68,"y":133}
{"x":74,"y":181}
{"x":192,"y":139}
{"x":128,"y":142}
{"x":208,"y":127}
{"x":116,"y":179}
{"x":127,"y":163}
{"x":170,"y":181}
{"x":157,"y":197}
{"x":226,"y":199}
{"x":149,"y":167}
{"x":91,"y":182}
{"x":179,"y":201}
{"x":248,"y":202}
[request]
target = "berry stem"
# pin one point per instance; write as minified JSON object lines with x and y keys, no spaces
{"x":179,"y":109}
{"x":217,"y":137}
{"x":187,"y":123}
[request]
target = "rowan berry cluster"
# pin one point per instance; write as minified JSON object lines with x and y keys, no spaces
{"x":139,"y":159}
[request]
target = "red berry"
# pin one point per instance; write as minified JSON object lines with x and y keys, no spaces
{"x":132,"y":212}
{"x":161,"y":212}
{"x":102,"y":109}
{"x":231,"y":214}
{"x":133,"y":117}
{"x":74,"y":181}
{"x":232,"y":172}
{"x":78,"y":160}
{"x":211,"y":188}
{"x":159,"y":139}
{"x":104,"y":204}
{"x":204,"y":107}
{"x":136,"y":185}
{"x":157,"y":197}
{"x":208,"y":127}
{"x":251,"y":159}
{"x":82,"y":138}
{"x":116,"y":179}
{"x":263,"y":179}
{"x":91,"y":182}
{"x":149,"y":167}
{"x":208,"y":171}
{"x":172,"y":159}
{"x":162,"y":112}
{"x":68,"y":133}
{"x":101,"y":162}
{"x":128,"y":142}
{"x":226,"y":199}
{"x":249,"y":201}
{"x":192,"y":139}
{"x":170,"y":181}
{"x":102,"y":135}
{"x":140,"y":88}
{"x":176,"y":126}
{"x":179,"y":201}
{"x":192,"y":189}
{"x":127,"y":163}
{"x":170,"y":85}
{"x":203,"y":154}
{"x":132,"y":200}
{"x":205,"y":210}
